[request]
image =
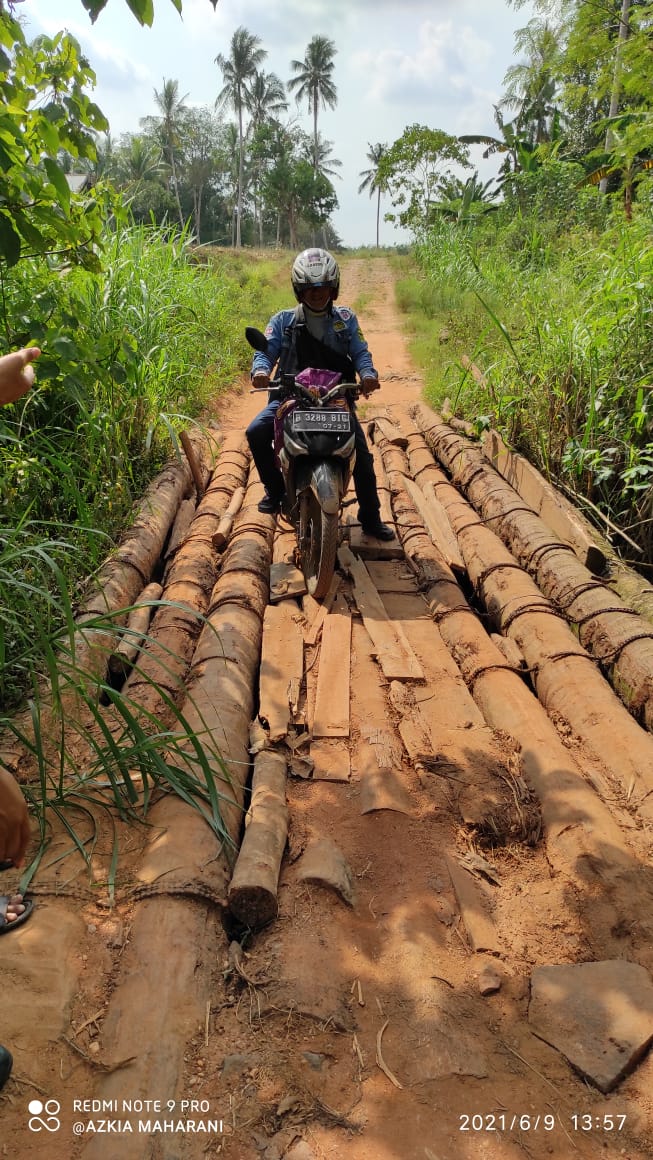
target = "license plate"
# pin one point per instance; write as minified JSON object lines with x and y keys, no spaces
{"x":333,"y":421}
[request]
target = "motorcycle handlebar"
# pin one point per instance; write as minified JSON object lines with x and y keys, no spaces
{"x":278,"y":388}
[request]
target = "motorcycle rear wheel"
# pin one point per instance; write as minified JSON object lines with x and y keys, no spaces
{"x":318,"y":550}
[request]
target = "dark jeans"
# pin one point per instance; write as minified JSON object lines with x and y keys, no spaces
{"x":260,"y":434}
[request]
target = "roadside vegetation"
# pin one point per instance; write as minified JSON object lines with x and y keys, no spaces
{"x":529,"y":298}
{"x":547,"y":335}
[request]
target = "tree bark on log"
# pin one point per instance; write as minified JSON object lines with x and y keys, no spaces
{"x":219,"y":700}
{"x":567,"y":681}
{"x":581,"y":834}
{"x":620,"y":640}
{"x":167,"y":653}
{"x":138,"y":622}
{"x":252,"y":895}
{"x":552,"y":507}
{"x":130,"y":568}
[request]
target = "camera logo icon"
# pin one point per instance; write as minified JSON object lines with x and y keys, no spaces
{"x":44,"y":1116}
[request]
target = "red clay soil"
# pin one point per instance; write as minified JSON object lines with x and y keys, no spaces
{"x":390,"y":1026}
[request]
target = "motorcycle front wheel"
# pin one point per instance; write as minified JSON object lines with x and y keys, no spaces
{"x":318,"y":547}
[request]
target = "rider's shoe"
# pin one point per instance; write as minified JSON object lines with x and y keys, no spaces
{"x":378,"y":530}
{"x":270,"y":505}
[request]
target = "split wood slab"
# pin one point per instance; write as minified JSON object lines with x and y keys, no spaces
{"x":394,"y":654}
{"x":285,"y":581}
{"x":282,"y":667}
{"x":473,"y":910}
{"x":436,"y":522}
{"x":331,"y":717}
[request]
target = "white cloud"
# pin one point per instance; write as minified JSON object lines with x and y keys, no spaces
{"x":398,"y":62}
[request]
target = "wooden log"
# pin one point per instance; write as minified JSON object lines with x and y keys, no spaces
{"x":252,"y":894}
{"x":195,"y":470}
{"x":219,"y":703}
{"x":231,"y":472}
{"x":582,"y":836}
{"x":622,"y":641}
{"x":176,"y":626}
{"x":331,"y":717}
{"x":83,"y":662}
{"x":183,"y":520}
{"x":394,"y":654}
{"x":223,"y":532}
{"x":552,"y":507}
{"x":165,"y":972}
{"x":567,"y":681}
{"x":138,"y":622}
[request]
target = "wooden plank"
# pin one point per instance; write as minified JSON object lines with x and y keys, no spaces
{"x":332,"y":700}
{"x":284,"y":548}
{"x":552,"y":507}
{"x":331,"y":760}
{"x":478,"y":924}
{"x":285,"y":581}
{"x":370,"y":549}
{"x":282,"y":666}
{"x":394,"y":654}
{"x":447,"y":535}
{"x":436,"y":523}
{"x":391,"y":576}
{"x":310,"y":637}
{"x":445,"y":702}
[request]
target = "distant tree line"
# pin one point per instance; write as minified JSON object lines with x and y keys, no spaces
{"x":258,"y":180}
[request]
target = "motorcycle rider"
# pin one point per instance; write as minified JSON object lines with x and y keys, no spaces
{"x":315,"y":334}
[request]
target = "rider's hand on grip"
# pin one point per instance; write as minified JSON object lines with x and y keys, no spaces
{"x":368,"y":385}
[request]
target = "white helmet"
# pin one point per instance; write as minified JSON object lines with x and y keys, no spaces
{"x":315,"y":268}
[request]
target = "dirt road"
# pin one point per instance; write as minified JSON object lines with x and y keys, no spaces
{"x":471,"y":981}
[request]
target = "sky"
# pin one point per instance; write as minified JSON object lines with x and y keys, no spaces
{"x":439,"y":63}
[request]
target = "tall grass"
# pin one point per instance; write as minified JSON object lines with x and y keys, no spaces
{"x":130,"y":355}
{"x":564,"y":338}
{"x":109,"y":758}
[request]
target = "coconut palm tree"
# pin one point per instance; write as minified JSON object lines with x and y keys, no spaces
{"x":238,"y":71}
{"x":313,"y":82}
{"x":531,"y":84}
{"x":373,"y":180}
{"x":172,"y":109}
{"x":265,"y":98}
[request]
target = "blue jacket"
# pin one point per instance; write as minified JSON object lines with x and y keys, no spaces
{"x":343,"y":333}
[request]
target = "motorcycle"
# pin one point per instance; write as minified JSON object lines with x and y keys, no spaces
{"x":314,"y":439}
